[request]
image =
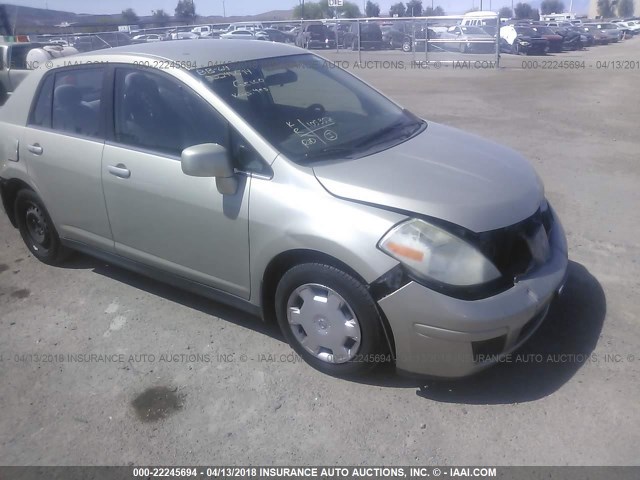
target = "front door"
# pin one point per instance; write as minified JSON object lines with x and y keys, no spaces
{"x":160,"y":216}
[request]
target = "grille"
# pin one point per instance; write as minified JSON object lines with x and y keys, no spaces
{"x":488,"y":350}
{"x":509,"y":248}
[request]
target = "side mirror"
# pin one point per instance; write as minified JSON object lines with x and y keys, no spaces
{"x":210,"y":160}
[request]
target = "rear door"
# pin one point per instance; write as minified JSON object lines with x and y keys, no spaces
{"x":62,"y":145}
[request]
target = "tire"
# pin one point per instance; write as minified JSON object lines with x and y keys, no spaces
{"x":37,"y":229}
{"x":406,"y":47}
{"x":344,"y":330}
{"x":3,"y":95}
{"x":463,"y":48}
{"x":354,"y":46}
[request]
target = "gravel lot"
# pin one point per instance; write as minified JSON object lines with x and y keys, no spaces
{"x":251,"y":404}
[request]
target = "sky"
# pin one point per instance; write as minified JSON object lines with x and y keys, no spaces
{"x":233,"y":7}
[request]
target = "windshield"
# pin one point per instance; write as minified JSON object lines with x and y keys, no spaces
{"x":369,"y":27}
{"x":317,"y":29}
{"x":473,"y":30}
{"x":309,"y":109}
{"x":526,"y":31}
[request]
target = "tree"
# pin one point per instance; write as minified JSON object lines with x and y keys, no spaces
{"x":308,"y":11}
{"x":350,"y":10}
{"x":397,"y":9}
{"x":414,"y":8}
{"x":625,"y":8}
{"x":186,"y":10}
{"x":372,"y":9}
{"x":129,"y":16}
{"x":505,"y":12}
{"x":551,"y":6}
{"x":605,"y":9}
{"x":523,"y":10}
{"x":436,"y":12}
{"x":160,"y":18}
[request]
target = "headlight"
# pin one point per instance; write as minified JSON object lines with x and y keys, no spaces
{"x":436,"y":254}
{"x":522,"y":42}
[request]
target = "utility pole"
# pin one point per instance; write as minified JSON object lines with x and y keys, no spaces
{"x":224,"y":9}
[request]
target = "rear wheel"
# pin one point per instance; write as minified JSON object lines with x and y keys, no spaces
{"x":37,"y":230}
{"x":329,"y":319}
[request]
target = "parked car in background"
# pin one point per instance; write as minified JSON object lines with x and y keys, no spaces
{"x":467,"y":39}
{"x":629,"y":28}
{"x":316,"y":35}
{"x":184,"y":36}
{"x":418,"y":41}
{"x":442,"y":271}
{"x":342,"y":29}
{"x":599,"y":37}
{"x":613,"y":33}
{"x":245,"y":35}
{"x":278,"y":35}
{"x":571,"y":39}
{"x":201,"y":30}
{"x":554,"y":39}
{"x":364,"y":36}
{"x":251,"y":26}
{"x":147,"y":37}
{"x":18,"y":58}
{"x":392,"y":37}
{"x":522,"y":40}
{"x":99,"y":41}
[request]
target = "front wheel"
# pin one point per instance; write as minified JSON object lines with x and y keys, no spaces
{"x":406,"y":47}
{"x":329,"y":319}
{"x":37,"y":230}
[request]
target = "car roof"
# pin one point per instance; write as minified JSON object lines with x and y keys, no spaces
{"x":200,"y":52}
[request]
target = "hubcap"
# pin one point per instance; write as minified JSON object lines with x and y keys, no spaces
{"x":37,"y":226}
{"x":324,"y":323}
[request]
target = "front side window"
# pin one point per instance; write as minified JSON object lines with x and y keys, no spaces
{"x":308,"y":109}
{"x":77,"y":102}
{"x":155,"y":112}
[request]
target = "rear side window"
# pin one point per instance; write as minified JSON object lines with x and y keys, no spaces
{"x":77,"y":101}
{"x":41,"y":114}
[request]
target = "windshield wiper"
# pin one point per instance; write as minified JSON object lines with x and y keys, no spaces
{"x":381,"y":135}
{"x":330,"y":152}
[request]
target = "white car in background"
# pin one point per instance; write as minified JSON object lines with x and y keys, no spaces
{"x":184,"y":36}
{"x":245,"y":35}
{"x":151,"y":37}
{"x":631,"y":26}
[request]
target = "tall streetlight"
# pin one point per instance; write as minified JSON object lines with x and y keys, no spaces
{"x":224,"y":9}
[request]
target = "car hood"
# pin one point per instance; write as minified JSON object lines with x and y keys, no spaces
{"x":443,"y":173}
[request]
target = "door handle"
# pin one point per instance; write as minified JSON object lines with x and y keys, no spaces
{"x":36,"y":149}
{"x":119,"y":170}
